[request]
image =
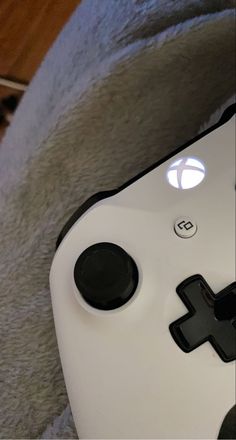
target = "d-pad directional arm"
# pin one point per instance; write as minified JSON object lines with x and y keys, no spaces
{"x":210,"y":318}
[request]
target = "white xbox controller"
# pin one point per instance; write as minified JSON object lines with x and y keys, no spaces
{"x":143,"y":292}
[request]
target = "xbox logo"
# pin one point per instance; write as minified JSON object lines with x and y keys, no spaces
{"x":186,"y":173}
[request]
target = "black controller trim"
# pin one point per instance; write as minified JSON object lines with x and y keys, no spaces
{"x":227,"y":115}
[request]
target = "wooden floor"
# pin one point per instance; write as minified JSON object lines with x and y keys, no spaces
{"x":27,"y":30}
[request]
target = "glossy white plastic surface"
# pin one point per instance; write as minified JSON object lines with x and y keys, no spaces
{"x":126,"y":377}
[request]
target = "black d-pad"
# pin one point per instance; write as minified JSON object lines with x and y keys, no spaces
{"x":210,"y":318}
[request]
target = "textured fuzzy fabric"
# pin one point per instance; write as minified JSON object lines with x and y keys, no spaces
{"x":126,"y":82}
{"x":61,"y":427}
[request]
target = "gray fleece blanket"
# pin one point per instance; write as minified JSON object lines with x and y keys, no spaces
{"x":126,"y":82}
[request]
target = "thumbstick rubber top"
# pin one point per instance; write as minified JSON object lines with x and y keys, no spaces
{"x":106,"y":276}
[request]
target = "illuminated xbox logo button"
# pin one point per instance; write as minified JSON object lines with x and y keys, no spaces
{"x":186,"y":173}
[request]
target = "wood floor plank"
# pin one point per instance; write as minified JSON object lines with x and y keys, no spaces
{"x":27,"y":30}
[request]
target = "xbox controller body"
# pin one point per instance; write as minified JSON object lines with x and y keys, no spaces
{"x":126,"y":373}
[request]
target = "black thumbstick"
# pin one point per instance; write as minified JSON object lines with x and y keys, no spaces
{"x":106,"y":276}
